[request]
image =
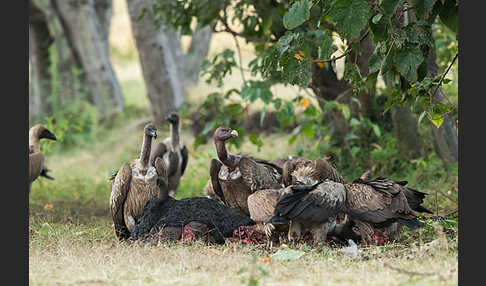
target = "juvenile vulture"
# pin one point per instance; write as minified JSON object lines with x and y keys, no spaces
{"x":314,"y":207}
{"x":380,"y":203}
{"x":173,"y":152}
{"x":134,"y":185}
{"x":305,"y":207}
{"x":235,"y":177}
{"x":36,"y":158}
{"x":166,"y":216}
{"x":309,"y":172}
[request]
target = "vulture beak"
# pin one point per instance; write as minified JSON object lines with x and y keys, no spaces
{"x":171,"y":118}
{"x":234,"y":133}
{"x":153,"y":133}
{"x":48,"y":135}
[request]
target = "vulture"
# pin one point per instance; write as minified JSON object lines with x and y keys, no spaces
{"x":36,"y":158}
{"x":235,"y":177}
{"x":314,"y":207}
{"x":173,"y":152}
{"x":305,"y":203}
{"x":309,"y":172}
{"x":381,"y":202}
{"x":134,"y":185}
{"x":167,"y":217}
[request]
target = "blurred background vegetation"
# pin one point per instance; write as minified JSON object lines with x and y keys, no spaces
{"x":93,"y":90}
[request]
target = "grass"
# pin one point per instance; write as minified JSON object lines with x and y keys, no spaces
{"x":71,"y":248}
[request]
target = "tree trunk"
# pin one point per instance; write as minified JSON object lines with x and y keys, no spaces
{"x":162,"y":92}
{"x":405,"y":126}
{"x":445,"y":137}
{"x":39,"y":41}
{"x":82,"y":26}
{"x":197,"y":52}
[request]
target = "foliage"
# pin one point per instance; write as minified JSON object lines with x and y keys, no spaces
{"x":294,"y":38}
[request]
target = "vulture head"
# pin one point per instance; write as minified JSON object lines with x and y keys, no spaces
{"x":173,"y":118}
{"x":40,"y":131}
{"x":150,"y":130}
{"x":304,"y":176}
{"x":224,"y":133}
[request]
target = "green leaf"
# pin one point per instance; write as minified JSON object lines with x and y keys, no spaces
{"x":350,"y":16}
{"x":449,"y":15}
{"x":376,"y":18}
{"x":437,"y":121}
{"x":345,"y":110}
{"x":389,"y":6}
{"x":422,"y":116}
{"x":288,"y":254}
{"x":407,"y":62}
{"x":298,"y":14}
{"x":376,"y":129}
{"x":423,"y":8}
{"x":308,"y":129}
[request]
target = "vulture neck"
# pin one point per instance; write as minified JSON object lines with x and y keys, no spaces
{"x":34,"y":143}
{"x":174,"y":134}
{"x":223,"y":155}
{"x":145,"y":153}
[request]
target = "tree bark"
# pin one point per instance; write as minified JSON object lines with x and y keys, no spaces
{"x":197,"y":52}
{"x":88,"y":39}
{"x":405,"y":126}
{"x":39,"y":41}
{"x":160,"y":71}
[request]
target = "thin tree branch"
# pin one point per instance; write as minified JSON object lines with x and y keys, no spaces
{"x":443,"y":76}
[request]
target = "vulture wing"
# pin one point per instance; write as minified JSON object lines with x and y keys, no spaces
{"x":258,"y":176}
{"x":214,"y":168}
{"x":157,"y":151}
{"x":316,"y":203}
{"x":119,"y":191}
{"x":36,"y":164}
{"x":184,"y":154}
{"x":287,"y":170}
{"x":377,"y":201}
{"x":161,"y":168}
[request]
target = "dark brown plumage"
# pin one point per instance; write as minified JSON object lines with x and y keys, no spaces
{"x":163,"y":211}
{"x":378,"y":203}
{"x":173,"y":152}
{"x":314,"y":207}
{"x":133,"y":186}
{"x":235,"y":177}
{"x":308,"y":171}
{"x":36,"y":158}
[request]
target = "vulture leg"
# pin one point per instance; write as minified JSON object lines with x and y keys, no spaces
{"x":295,"y":231}
{"x":366,"y":231}
{"x":119,"y":191}
{"x":393,"y":231}
{"x":320,"y":231}
{"x":214,"y":171}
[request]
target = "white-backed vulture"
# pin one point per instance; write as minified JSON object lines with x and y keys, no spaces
{"x":173,"y":152}
{"x":165,"y":217}
{"x":312,"y":207}
{"x":36,"y":158}
{"x":302,"y":171}
{"x":134,"y":185}
{"x":235,"y":177}
{"x":380,"y":203}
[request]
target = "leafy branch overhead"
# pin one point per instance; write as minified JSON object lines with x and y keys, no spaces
{"x":292,"y":39}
